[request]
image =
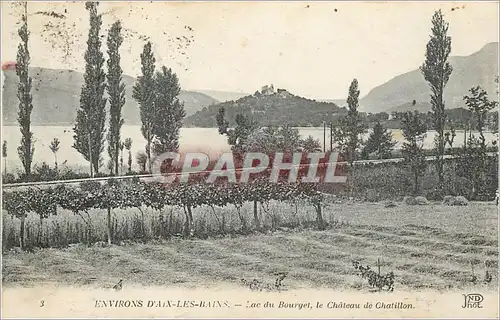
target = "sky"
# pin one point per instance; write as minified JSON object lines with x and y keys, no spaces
{"x":312,"y":49}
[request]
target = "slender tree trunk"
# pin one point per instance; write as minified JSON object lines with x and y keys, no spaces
{"x":186,"y":224}
{"x":416,"y":183}
{"x":90,"y":157}
{"x":482,"y":138}
{"x":465,"y":138}
{"x":440,"y":144}
{"x":189,"y":225}
{"x":40,"y":232}
{"x":191,"y":222}
{"x":148,"y":152}
{"x":55,"y":160}
{"x":121,"y":162}
{"x":440,"y":159}
{"x":109,"y":226}
{"x":21,"y":233}
{"x":143,"y":225}
{"x":350,"y":182}
{"x":256,"y":215}
{"x":129,"y":161}
{"x":319,"y":216}
{"x":116,"y":157}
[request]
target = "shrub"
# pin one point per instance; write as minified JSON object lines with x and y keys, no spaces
{"x":435,"y":194}
{"x":8,"y":178}
{"x":409,"y":200}
{"x":461,"y":201}
{"x":421,"y":201}
{"x":390,"y":204}
{"x":116,"y":194}
{"x":448,"y":200}
{"x":455,"y":201}
{"x":372,"y":195}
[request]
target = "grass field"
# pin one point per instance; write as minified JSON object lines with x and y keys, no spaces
{"x":427,"y":247}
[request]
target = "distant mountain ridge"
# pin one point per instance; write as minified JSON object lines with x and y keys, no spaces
{"x":479,"y":68}
{"x":422,"y":107}
{"x":339,"y":102}
{"x":223,"y":96}
{"x":56,"y":97}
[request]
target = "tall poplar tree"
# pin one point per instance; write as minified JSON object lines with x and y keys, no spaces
{"x":26,"y":149}
{"x":169,"y":112}
{"x":116,"y":93}
{"x":144,"y":94}
{"x":437,"y":70}
{"x":91,"y":117}
{"x":348,"y":133}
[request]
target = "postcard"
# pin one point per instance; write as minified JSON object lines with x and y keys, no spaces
{"x":329,"y":159}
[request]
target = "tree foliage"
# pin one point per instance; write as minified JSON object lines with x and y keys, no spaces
{"x":310,"y":144}
{"x":134,"y":194}
{"x":144,"y":94}
{"x":437,"y":70}
{"x":274,"y":139}
{"x":54,"y":147}
{"x":414,"y":130}
{"x":379,"y":142}
{"x":116,"y":93}
{"x":4,"y":155}
{"x":128,"y":146}
{"x":348,"y":133}
{"x":169,"y":112}
{"x":4,"y":149}
{"x":141,"y":158}
{"x":269,"y":110}
{"x":90,"y":118}
{"x":27,"y":148}
{"x":479,"y":105}
{"x":237,"y":136}
{"x":475,"y":163}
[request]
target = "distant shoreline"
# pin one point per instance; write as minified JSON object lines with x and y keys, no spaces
{"x":189,"y":127}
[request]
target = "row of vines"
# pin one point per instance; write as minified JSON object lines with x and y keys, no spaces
{"x":115,"y":194}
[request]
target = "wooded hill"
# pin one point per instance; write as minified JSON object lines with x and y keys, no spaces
{"x":271,"y":108}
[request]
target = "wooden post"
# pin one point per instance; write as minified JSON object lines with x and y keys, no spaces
{"x":191,"y":222}
{"x":21,"y":233}
{"x":109,"y":226}
{"x":319,"y":216}
{"x":465,"y":136}
{"x":324,"y":136}
{"x":378,"y":265}
{"x":256,"y":215}
{"x":331,"y":136}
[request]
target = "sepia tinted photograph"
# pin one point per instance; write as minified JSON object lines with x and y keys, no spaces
{"x":258,"y":159}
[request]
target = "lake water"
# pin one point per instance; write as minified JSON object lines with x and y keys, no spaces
{"x":206,"y":140}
